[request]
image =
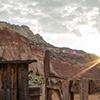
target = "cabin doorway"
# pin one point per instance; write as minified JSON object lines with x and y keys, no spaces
{"x":14,"y":80}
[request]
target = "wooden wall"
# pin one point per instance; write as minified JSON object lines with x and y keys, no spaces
{"x":13,"y":81}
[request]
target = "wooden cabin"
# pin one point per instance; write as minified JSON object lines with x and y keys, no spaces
{"x":82,"y":83}
{"x":14,"y":79}
{"x":15,"y":56}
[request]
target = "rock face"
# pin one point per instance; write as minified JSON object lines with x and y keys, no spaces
{"x":19,"y":42}
{"x":13,"y":46}
{"x":24,"y":31}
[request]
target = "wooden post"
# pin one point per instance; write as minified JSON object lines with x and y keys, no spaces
{"x":66,"y":89}
{"x":46,"y":72}
{"x":84,"y":89}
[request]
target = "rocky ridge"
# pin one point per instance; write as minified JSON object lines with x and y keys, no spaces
{"x":26,"y":32}
{"x":19,"y":42}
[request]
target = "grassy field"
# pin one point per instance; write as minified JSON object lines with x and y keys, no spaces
{"x":91,"y":97}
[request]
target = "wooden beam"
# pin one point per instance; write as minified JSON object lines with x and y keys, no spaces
{"x":17,"y":61}
{"x":47,"y":63}
{"x":84,"y":89}
{"x":46,"y":72}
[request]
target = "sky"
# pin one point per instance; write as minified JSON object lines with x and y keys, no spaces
{"x":63,"y":23}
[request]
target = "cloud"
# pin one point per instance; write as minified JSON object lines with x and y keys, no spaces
{"x":87,"y":42}
{"x":91,"y":3}
{"x":68,"y":23}
{"x":52,"y":16}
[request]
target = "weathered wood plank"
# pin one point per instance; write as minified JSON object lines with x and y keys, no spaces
{"x":1,"y":84}
{"x":14,"y":82}
{"x":23,"y":82}
{"x":84,"y":89}
{"x":0,"y":76}
{"x":47,"y":64}
{"x":6,"y":82}
{"x":66,"y":89}
{"x":46,"y":72}
{"x":92,"y":87}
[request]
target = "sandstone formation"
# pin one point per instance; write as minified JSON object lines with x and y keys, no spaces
{"x":19,"y":42}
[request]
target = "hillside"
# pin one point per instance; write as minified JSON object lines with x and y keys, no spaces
{"x":24,"y":30}
{"x":20,"y":39}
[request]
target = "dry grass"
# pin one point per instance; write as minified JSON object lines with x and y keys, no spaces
{"x":91,"y":97}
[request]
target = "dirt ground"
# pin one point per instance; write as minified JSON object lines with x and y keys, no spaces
{"x":91,"y":97}
{"x":76,"y":97}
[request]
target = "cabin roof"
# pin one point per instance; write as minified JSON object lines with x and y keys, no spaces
{"x":17,"y":61}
